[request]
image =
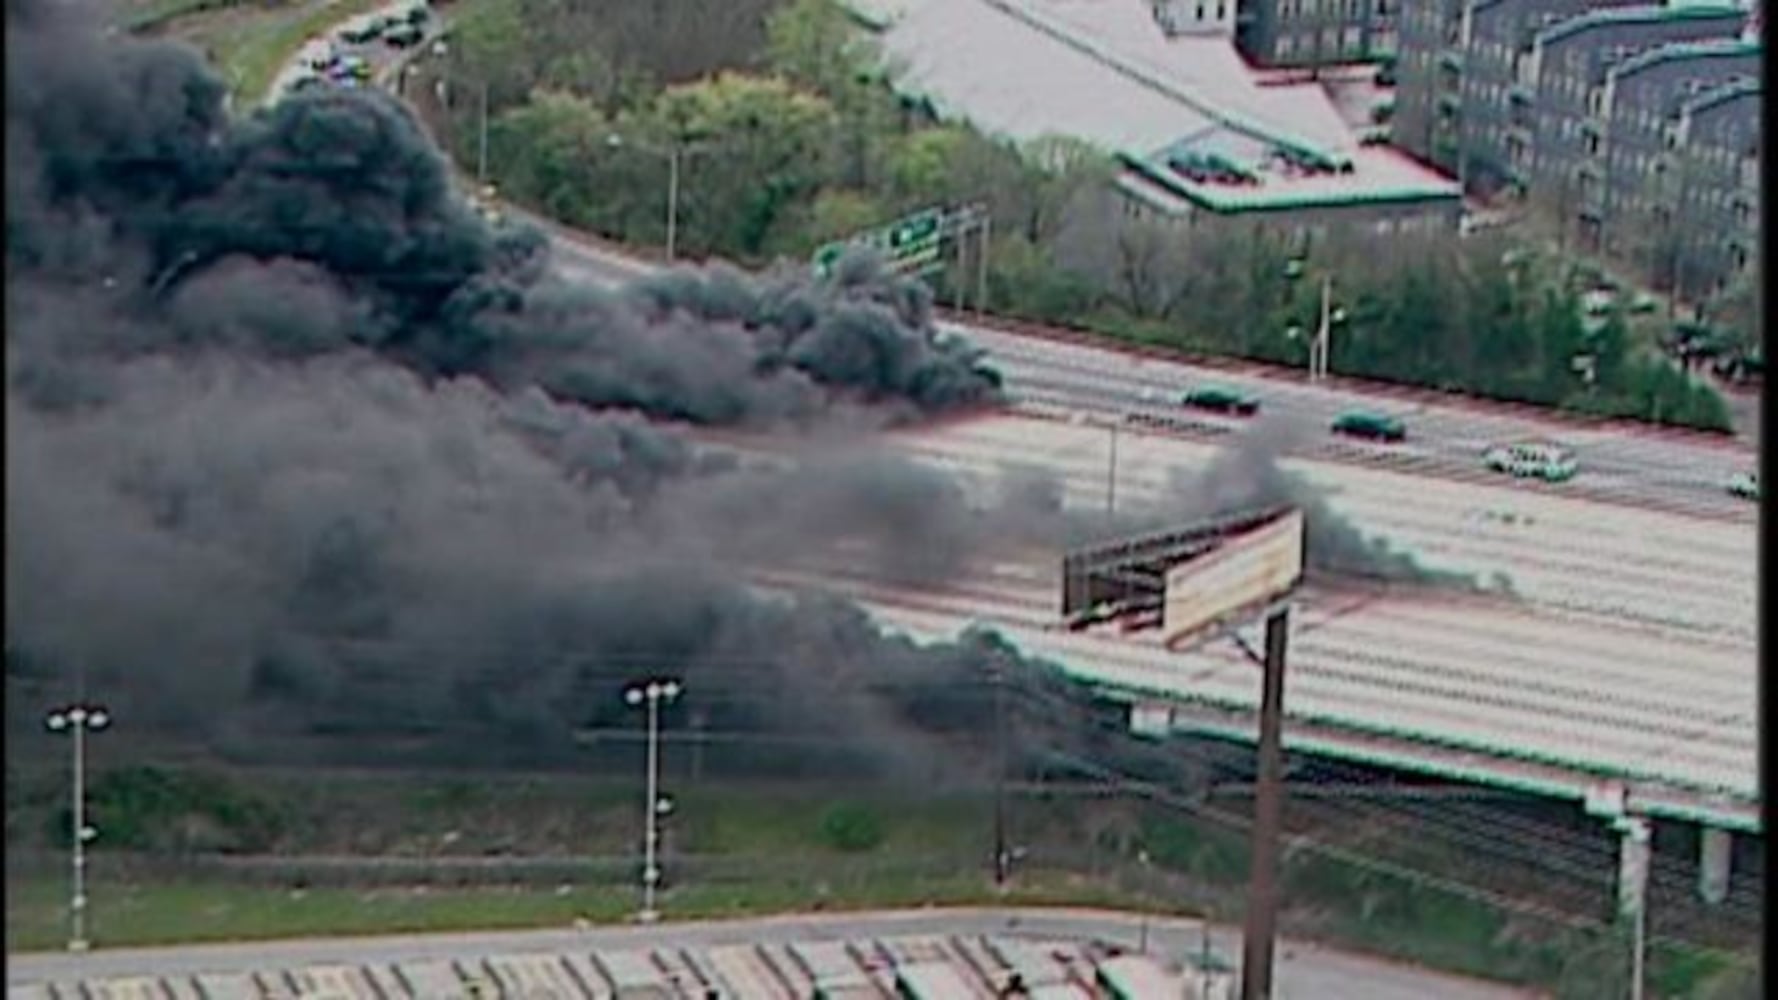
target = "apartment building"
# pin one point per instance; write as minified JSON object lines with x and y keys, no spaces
{"x":1316,"y":32}
{"x":1712,"y":182}
{"x":1556,"y":144}
{"x":1574,"y":105}
{"x":1428,"y":70}
{"x":1639,"y":107}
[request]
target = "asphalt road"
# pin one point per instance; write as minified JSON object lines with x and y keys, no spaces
{"x":1680,"y":473}
{"x":1302,"y":971}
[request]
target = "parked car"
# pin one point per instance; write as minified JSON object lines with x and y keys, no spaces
{"x":360,"y":34}
{"x":1221,"y":399}
{"x":403,"y":36}
{"x":1533,"y":459}
{"x":1370,"y":425}
{"x":1745,"y":484}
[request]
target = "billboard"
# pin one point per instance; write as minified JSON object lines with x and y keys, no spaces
{"x":1132,"y":571}
{"x":1246,"y":570}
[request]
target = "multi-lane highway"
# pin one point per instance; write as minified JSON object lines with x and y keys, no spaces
{"x":1628,"y":648}
{"x":1664,"y":470}
{"x":1618,"y":462}
{"x":1626,"y":645}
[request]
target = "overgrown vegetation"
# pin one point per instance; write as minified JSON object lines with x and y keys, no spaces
{"x":791,"y":136}
{"x":247,"y":41}
{"x":726,"y":845}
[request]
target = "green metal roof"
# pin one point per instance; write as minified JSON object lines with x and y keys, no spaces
{"x":1686,"y":50}
{"x":1637,"y":15}
{"x":1241,"y":200}
{"x":1721,"y":95}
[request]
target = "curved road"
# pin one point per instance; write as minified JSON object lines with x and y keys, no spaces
{"x":1677,"y":472}
{"x":1302,"y":971}
{"x":1682,"y":473}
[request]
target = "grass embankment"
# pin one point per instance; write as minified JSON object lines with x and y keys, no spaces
{"x":248,"y":42}
{"x":184,"y":912}
{"x":735,"y":848}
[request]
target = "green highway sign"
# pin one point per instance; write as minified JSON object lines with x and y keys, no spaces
{"x":826,"y":255}
{"x":912,"y":243}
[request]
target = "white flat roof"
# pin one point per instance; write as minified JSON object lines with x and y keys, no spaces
{"x":1103,"y":72}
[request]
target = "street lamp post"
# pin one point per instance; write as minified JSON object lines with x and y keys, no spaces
{"x":652,"y":695}
{"x":78,"y":720}
{"x":673,"y":153}
{"x":1079,"y":419}
{"x":1111,"y":475}
{"x":1321,"y":345}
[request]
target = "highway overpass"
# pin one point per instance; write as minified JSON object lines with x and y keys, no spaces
{"x":1626,"y":653}
{"x":1625,"y":650}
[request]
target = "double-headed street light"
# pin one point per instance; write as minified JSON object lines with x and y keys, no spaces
{"x":78,"y":720}
{"x":1321,"y":347}
{"x":652,"y":695}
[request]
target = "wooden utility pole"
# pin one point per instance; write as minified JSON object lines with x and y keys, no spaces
{"x":1268,"y":815}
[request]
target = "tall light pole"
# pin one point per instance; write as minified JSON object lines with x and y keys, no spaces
{"x":673,"y":153}
{"x":1111,"y":474}
{"x":481,"y":151}
{"x":1080,"y":419}
{"x":78,"y":720}
{"x":651,"y":695}
{"x":1321,"y":345}
{"x":1002,"y":859}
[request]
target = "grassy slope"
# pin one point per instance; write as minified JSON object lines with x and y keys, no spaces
{"x":249,"y":42}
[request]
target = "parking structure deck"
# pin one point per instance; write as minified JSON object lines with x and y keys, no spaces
{"x":979,"y":968}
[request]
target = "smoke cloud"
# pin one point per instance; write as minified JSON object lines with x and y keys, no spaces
{"x":1245,"y":475}
{"x":295,"y":442}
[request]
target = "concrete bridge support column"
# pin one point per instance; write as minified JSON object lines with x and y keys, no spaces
{"x":1715,"y":848}
{"x":1633,"y":861}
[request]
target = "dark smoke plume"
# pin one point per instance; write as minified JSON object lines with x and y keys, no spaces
{"x":1245,"y":475}
{"x":294,"y":440}
{"x":295,"y":443}
{"x":328,"y":221}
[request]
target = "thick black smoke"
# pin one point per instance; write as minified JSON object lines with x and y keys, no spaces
{"x":328,"y":221}
{"x":294,"y":439}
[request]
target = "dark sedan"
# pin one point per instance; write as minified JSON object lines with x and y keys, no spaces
{"x":1221,"y":399}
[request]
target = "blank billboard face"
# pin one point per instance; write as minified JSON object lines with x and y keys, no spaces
{"x":1246,"y":571}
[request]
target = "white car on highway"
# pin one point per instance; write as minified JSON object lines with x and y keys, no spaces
{"x":1745,"y":484}
{"x":1533,"y":459}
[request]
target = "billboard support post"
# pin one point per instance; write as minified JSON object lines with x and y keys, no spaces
{"x":1259,"y":938}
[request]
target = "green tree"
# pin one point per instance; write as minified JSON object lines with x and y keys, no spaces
{"x":1736,"y":311}
{"x":837,"y":214}
{"x":1064,"y":175}
{"x":818,"y":45}
{"x":548,"y":152}
{"x":492,"y":45}
{"x":755,"y":152}
{"x":919,"y":163}
{"x":1024,"y":281}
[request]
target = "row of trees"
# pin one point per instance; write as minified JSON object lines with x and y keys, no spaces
{"x":788,"y":135}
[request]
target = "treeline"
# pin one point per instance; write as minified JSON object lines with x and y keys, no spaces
{"x":789,"y":135}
